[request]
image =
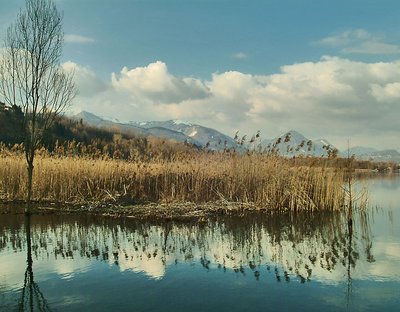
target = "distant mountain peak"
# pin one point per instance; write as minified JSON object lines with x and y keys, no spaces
{"x":88,"y":116}
{"x":294,"y":132}
{"x":293,"y":135}
{"x":112,"y":119}
{"x":181,"y":122}
{"x":324,"y":142}
{"x":293,"y":143}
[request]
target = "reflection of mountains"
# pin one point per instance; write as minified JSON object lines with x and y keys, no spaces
{"x":291,"y":247}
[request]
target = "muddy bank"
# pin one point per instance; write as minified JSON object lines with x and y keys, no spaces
{"x":154,"y":211}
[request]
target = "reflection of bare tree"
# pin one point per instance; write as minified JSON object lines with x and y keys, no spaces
{"x":350,"y":261}
{"x":32,"y":298}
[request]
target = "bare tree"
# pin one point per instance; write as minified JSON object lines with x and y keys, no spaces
{"x":31,"y":76}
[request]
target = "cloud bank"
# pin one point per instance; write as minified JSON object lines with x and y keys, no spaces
{"x":334,"y":98}
{"x":359,"y":41}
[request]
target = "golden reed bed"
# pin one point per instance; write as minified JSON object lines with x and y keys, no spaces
{"x":265,"y":182}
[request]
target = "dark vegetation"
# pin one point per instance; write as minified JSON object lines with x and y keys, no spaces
{"x":11,"y":124}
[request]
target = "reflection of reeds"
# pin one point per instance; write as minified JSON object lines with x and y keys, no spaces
{"x":289,"y":247}
{"x":267,"y":182}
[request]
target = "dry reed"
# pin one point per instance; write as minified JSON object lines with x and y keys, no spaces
{"x":265,"y":182}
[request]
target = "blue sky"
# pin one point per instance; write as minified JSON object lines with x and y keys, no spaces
{"x":325,"y":68}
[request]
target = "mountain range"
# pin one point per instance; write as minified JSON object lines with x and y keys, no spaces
{"x":176,"y":130}
{"x":289,"y":144}
{"x":368,"y":153}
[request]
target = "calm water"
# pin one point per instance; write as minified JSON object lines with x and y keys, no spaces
{"x":303,"y":262}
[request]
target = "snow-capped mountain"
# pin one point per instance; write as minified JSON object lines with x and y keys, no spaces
{"x":293,"y":143}
{"x":288,"y":144}
{"x":171,"y":135}
{"x":176,"y":130}
{"x":204,"y":136}
{"x":112,"y":119}
{"x":100,"y":122}
{"x":367,"y":153}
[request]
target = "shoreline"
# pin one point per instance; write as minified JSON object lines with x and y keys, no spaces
{"x":162,"y":211}
{"x":177,"y":211}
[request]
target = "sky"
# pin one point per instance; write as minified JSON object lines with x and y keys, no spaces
{"x":327,"y":69}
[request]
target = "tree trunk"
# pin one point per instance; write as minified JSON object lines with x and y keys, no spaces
{"x":350,"y":208}
{"x":29,"y":188}
{"x":29,"y":260}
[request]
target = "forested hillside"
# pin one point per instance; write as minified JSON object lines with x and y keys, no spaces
{"x":71,"y":136}
{"x":11,"y":124}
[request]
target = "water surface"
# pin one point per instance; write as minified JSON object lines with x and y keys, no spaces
{"x":283,"y":262}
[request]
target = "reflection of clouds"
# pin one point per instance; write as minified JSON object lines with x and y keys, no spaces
{"x":139,"y":253}
{"x":66,"y":268}
{"x":387,"y":265}
{"x":390,"y":250}
{"x":386,"y":270}
{"x":152,"y":267}
{"x":11,"y":265}
{"x":386,"y":193}
{"x":73,"y":300}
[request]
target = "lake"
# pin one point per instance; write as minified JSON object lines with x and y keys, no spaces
{"x":296,"y":262}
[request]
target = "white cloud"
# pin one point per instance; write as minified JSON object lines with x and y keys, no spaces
{"x":231,"y":85}
{"x":360,"y":41}
{"x":334,"y":98}
{"x":386,"y":93}
{"x":240,"y":55}
{"x":372,"y":47}
{"x":73,"y":38}
{"x":346,"y":38}
{"x":155,"y":83}
{"x":85,"y":79}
